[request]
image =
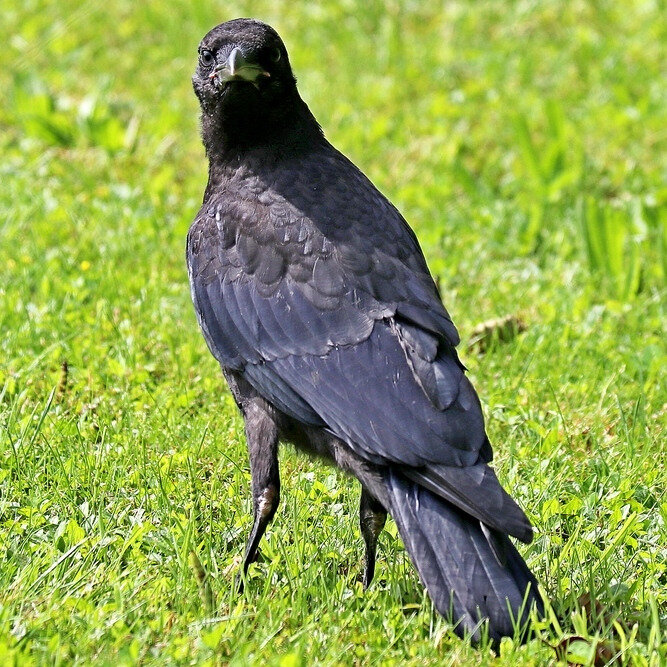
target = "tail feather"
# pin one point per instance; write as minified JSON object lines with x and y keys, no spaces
{"x":459,"y":566}
{"x":477,"y":491}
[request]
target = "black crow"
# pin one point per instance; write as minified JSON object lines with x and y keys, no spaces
{"x":313,"y":294}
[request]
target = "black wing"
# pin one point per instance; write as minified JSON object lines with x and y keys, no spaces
{"x":311,"y":284}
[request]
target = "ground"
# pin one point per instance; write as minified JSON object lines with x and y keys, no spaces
{"x":525,"y":143}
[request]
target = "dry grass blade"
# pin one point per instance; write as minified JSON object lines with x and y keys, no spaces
{"x":498,"y":330}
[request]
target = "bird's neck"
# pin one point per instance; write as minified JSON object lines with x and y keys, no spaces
{"x":234,"y":132}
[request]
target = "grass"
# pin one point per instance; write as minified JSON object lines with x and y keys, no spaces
{"x":525,"y":142}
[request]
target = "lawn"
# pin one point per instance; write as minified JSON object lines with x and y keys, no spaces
{"x":526,"y":144}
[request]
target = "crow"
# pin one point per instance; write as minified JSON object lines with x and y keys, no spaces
{"x":313,"y":294}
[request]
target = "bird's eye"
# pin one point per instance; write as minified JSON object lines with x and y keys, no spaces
{"x":206,"y":58}
{"x":275,"y":55}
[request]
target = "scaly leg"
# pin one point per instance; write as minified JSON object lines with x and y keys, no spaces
{"x":261,"y":431}
{"x":372,"y":517}
{"x":262,"y":437}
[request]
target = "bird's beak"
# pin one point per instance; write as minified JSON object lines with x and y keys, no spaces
{"x":238,"y":68}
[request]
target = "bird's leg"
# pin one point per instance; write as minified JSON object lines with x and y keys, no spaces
{"x":261,"y":429}
{"x":372,"y":517}
{"x":262,"y":438}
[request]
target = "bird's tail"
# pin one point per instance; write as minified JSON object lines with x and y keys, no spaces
{"x":470,"y":572}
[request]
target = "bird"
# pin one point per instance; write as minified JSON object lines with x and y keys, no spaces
{"x":314,"y":296}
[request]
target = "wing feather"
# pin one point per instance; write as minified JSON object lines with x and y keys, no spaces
{"x":325,"y":303}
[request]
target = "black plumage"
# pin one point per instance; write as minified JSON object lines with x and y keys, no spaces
{"x":314,"y":296}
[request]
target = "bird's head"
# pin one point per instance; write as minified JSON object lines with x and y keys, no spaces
{"x":244,"y":83}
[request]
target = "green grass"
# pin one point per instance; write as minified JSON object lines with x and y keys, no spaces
{"x":525,"y":142}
